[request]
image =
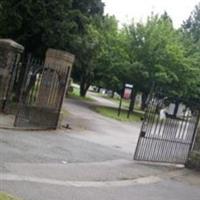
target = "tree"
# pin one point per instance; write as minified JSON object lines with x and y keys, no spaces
{"x":192,"y":26}
{"x":157,"y":48}
{"x":102,"y":66}
{"x":87,"y":48}
{"x":191,"y":40}
{"x":41,"y":24}
{"x":36,"y":24}
{"x":63,"y":24}
{"x":113,"y":58}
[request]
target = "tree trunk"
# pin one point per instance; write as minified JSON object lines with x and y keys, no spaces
{"x":84,"y":88}
{"x":83,"y":92}
{"x":176,"y":108}
{"x":144,"y":99}
{"x":113,"y":94}
{"x":98,"y":90}
{"x":132,"y":103}
{"x":133,"y":98}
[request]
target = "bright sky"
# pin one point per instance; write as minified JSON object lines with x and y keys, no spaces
{"x":125,"y":10}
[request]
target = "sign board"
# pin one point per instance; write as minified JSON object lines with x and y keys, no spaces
{"x":127,"y":91}
{"x":128,"y":86}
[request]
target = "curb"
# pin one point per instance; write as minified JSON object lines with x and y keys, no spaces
{"x":26,"y":129}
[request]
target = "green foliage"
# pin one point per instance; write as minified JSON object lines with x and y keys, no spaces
{"x":36,"y":24}
{"x":59,"y":24}
{"x":145,"y":54}
{"x":112,"y":57}
{"x":191,"y":40}
{"x":87,"y":48}
{"x":159,"y":57}
{"x":192,"y":26}
{"x":4,"y":196}
{"x":156,"y":47}
{"x":75,"y":94}
{"x":41,"y":24}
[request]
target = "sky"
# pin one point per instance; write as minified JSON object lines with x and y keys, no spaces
{"x":126,"y":10}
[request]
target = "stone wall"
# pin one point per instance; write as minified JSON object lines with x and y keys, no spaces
{"x":59,"y":64}
{"x":194,"y":157}
{"x":9,"y":54}
{"x":46,"y":110}
{"x":55,"y":81}
{"x":36,"y":117}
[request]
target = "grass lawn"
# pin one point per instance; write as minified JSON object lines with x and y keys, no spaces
{"x":125,"y":102}
{"x":4,"y":196}
{"x":113,"y":113}
{"x":76,"y":95}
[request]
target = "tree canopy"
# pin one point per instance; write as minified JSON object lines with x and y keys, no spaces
{"x":191,"y":41}
{"x":41,"y":24}
{"x":144,"y":54}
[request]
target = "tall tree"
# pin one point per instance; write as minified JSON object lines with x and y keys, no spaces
{"x":105,"y":43}
{"x":113,"y":58}
{"x":37,"y":24}
{"x":41,"y":24}
{"x":157,"y":46}
{"x":60,"y":24}
{"x":192,"y":25}
{"x":191,"y":40}
{"x":87,"y":48}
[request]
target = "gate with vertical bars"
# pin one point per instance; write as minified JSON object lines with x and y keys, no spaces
{"x":42,"y":95}
{"x":165,"y":136}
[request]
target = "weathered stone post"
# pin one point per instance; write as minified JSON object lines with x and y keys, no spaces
{"x":194,"y":157}
{"x":55,"y":80}
{"x":10,"y":53}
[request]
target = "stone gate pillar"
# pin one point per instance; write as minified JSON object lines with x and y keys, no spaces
{"x":10,"y":52}
{"x":194,"y":157}
{"x":55,"y":80}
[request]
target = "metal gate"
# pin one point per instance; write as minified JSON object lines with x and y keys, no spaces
{"x":165,"y":136}
{"x":42,"y":95}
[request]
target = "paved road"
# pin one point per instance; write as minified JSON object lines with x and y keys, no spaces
{"x":93,"y":160}
{"x":92,"y":127}
{"x":101,"y":100}
{"x":156,"y":191}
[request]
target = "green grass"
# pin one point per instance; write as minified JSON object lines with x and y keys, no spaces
{"x":125,"y":102}
{"x":4,"y":196}
{"x":76,"y":95}
{"x":113,"y":113}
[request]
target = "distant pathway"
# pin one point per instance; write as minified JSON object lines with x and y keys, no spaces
{"x":101,"y":100}
{"x":96,"y":128}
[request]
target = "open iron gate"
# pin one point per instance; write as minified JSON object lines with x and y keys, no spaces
{"x":165,"y":137}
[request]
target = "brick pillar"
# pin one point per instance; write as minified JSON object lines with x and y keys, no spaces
{"x":10,"y":52}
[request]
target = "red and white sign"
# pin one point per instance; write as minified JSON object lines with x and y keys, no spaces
{"x":127,"y":93}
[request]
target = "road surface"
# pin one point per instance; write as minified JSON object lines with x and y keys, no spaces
{"x":92,"y":160}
